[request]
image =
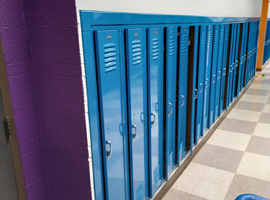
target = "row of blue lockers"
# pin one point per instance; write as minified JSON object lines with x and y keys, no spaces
{"x":153,"y":93}
{"x":266,"y":52}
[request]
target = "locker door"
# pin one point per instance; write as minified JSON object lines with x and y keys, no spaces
{"x":137,"y":107}
{"x":245,"y":57}
{"x":241,"y":58}
{"x":114,"y":131}
{"x":207,"y":80}
{"x":224,"y":68}
{"x":235,"y":61}
{"x":230,"y":98}
{"x":249,"y":54}
{"x":171,"y":75}
{"x":228,"y":102}
{"x":192,"y":87}
{"x":213,"y":76}
{"x":155,"y":105}
{"x":182,"y":108}
{"x":200,"y":82}
{"x":219,"y":71}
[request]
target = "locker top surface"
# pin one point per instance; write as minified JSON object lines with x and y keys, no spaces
{"x":96,"y":18}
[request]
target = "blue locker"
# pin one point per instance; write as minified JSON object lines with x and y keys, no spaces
{"x":155,"y":106}
{"x":207,"y":81}
{"x":214,"y":76}
{"x":137,"y":109}
{"x":194,"y":87}
{"x":200,"y":83}
{"x":235,"y":61}
{"x":248,"y":54}
{"x":224,"y":68}
{"x":239,"y":83}
{"x":183,"y":74}
{"x":228,"y":102}
{"x":219,"y":71}
{"x":171,"y":75}
{"x":113,"y":125}
{"x":245,"y":56}
{"x":233,"y":55}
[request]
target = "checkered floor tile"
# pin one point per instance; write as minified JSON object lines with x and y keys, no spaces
{"x":236,"y":158}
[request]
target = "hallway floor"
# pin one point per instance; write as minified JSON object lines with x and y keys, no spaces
{"x":236,"y":158}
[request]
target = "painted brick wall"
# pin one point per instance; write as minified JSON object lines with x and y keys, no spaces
{"x":23,"y":95}
{"x":53,"y":38}
{"x":41,"y":50}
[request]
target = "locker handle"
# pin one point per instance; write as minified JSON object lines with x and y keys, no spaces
{"x":196,"y":94}
{"x":183,"y":103}
{"x":220,"y":74}
{"x":214,"y":77}
{"x":170,"y":112}
{"x":201,"y":88}
{"x":153,"y":122}
{"x":207,"y":83}
{"x":134,"y":135}
{"x":109,"y":153}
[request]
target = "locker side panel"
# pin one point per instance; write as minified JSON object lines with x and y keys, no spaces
{"x":155,"y":98}
{"x":137,"y":105}
{"x":93,"y":105}
{"x":182,"y":108}
{"x":112,"y":119}
{"x":171,"y":75}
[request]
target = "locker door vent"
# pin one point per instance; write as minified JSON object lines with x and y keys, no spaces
{"x":136,"y":52}
{"x":221,"y":35}
{"x":171,"y":45}
{"x":140,"y":191}
{"x":184,"y":44}
{"x":155,"y":47}
{"x":156,"y":175}
{"x":209,"y":38}
{"x":203,"y":40}
{"x":110,"y":57}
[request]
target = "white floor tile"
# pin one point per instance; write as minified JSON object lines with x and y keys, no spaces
{"x":266,"y":108}
{"x":186,"y":183}
{"x":211,"y":191}
{"x":254,"y":165}
{"x":228,"y":139}
{"x":254,"y":98}
{"x":262,"y":130}
{"x":244,"y":115}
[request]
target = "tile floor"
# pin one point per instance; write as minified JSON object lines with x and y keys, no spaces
{"x":236,"y":158}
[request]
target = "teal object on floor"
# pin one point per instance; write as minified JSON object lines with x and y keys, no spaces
{"x":250,"y":197}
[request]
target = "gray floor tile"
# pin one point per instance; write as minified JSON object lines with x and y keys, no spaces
{"x":219,"y":157}
{"x":259,"y":145}
{"x":265,"y":118}
{"x":262,"y":81}
{"x":245,"y":105}
{"x":258,"y":92}
{"x":242,"y":185}
{"x":266,"y":190}
{"x":236,"y":125}
{"x":174,"y":194}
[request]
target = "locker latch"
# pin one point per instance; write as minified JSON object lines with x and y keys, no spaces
{"x":7,"y":127}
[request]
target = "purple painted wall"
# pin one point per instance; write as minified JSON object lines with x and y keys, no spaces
{"x":41,"y":50}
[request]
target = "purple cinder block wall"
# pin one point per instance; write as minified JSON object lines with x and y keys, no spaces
{"x":40,"y":43}
{"x":23,"y":89}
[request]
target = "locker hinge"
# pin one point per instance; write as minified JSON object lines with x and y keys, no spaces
{"x":7,"y":127}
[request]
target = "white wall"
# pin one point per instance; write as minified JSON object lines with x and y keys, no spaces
{"x":218,"y":8}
